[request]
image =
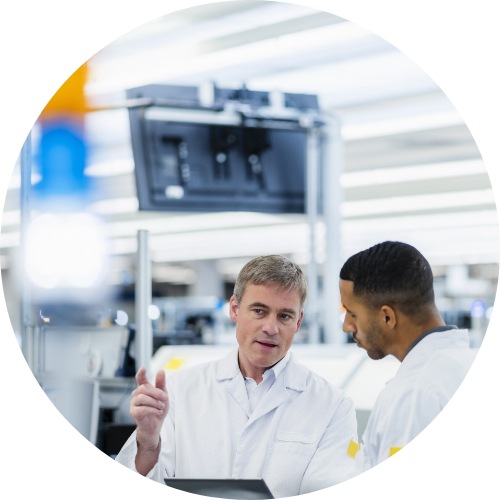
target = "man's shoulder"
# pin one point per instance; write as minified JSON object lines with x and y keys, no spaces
{"x":436,"y":375}
{"x":446,"y":361}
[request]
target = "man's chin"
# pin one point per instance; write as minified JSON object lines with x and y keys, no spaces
{"x":375,"y":355}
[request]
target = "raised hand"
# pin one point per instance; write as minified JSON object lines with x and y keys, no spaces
{"x":148,"y":408}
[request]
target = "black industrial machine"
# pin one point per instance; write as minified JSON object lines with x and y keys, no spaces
{"x":236,"y":150}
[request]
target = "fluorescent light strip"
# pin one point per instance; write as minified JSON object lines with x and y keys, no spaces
{"x":378,"y":76}
{"x":221,"y":243}
{"x":425,"y":222}
{"x":402,"y":204}
{"x":113,"y":74}
{"x":192,"y":223}
{"x":439,"y":119}
{"x":412,"y":173}
{"x":229,"y":243}
{"x":233,"y":219}
{"x":195,"y":30}
{"x":471,"y":238}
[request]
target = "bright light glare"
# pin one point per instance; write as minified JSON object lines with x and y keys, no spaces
{"x":121,"y":318}
{"x":489,"y":312}
{"x":154,"y":312}
{"x":66,"y":250}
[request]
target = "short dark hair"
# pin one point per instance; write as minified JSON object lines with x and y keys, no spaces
{"x":272,"y":270}
{"x":392,"y":273}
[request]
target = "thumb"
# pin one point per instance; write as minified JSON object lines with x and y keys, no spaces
{"x":160,"y":380}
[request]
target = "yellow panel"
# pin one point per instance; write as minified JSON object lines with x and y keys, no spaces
{"x":352,"y":449}
{"x":393,"y":450}
{"x":175,"y":363}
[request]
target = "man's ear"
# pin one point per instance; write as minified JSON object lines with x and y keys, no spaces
{"x":233,"y":308}
{"x":388,"y":316}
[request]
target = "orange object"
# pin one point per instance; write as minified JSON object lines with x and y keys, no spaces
{"x":70,"y":98}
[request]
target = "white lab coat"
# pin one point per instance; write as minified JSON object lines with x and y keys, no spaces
{"x":428,"y":377}
{"x":298,"y":438}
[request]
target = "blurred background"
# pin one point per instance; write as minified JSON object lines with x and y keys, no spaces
{"x":396,"y":161}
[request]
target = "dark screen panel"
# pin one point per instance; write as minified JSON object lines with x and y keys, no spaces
{"x":206,"y":167}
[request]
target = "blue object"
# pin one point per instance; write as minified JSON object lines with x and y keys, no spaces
{"x":62,"y":158}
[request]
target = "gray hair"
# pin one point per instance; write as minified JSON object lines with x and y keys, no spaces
{"x":272,"y":270}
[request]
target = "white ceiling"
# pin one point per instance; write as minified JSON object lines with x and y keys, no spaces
{"x":411,"y":170}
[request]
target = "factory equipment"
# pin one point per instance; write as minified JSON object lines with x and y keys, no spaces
{"x":190,"y":320}
{"x":80,"y":371}
{"x":220,"y":149}
{"x":81,"y":351}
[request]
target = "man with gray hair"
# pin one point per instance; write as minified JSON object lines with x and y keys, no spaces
{"x":255,"y":414}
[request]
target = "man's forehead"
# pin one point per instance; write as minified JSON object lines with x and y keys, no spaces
{"x":346,"y":287}
{"x":271,"y":291}
{"x":347,"y":296}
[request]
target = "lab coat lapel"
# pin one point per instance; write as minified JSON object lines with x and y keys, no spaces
{"x":276,"y":396}
{"x":229,"y":374}
{"x":237,"y":389}
{"x":290,"y":382}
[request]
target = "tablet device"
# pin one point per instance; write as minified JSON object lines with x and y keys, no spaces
{"x":222,"y":488}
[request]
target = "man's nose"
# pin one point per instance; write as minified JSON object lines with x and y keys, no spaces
{"x":348,"y":326}
{"x":271,"y":326}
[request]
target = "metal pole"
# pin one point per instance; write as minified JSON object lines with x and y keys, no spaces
{"x":312,"y":215}
{"x":332,"y":201}
{"x":27,"y":332}
{"x":143,"y":297}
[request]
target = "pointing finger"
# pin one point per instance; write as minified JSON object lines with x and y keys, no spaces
{"x":141,"y":377}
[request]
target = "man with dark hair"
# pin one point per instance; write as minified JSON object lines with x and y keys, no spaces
{"x":257,"y":413}
{"x":387,"y":292}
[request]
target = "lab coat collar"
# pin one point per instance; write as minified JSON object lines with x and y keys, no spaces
{"x":446,"y":339}
{"x":290,"y":376}
{"x":295,"y":377}
{"x":227,"y":367}
{"x":437,"y":329}
{"x":228,"y":373}
{"x":280,"y":365}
